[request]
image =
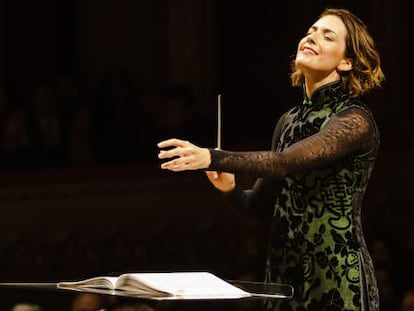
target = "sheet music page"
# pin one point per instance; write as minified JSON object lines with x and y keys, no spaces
{"x":189,"y":284}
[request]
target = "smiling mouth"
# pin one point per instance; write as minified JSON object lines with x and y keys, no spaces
{"x":310,"y":51}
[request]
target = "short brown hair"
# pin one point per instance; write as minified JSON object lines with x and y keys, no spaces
{"x":366,"y":72}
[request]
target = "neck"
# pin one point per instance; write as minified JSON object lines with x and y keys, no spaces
{"x":313,"y":82}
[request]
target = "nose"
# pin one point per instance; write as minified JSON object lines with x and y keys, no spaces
{"x":310,"y":38}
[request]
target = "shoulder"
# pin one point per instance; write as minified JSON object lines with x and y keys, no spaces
{"x":357,"y":118}
{"x":355,"y":107}
{"x":349,"y":103}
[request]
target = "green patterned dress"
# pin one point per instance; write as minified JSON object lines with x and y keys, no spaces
{"x":313,"y":181}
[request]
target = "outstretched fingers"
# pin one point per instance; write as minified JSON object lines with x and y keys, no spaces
{"x":175,"y":152}
{"x":173,"y":142}
{"x":182,"y":155}
{"x":184,"y":162}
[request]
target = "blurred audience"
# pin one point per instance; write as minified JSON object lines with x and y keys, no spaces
{"x":75,"y":102}
{"x":386,"y":287}
{"x":26,"y":307}
{"x":90,"y":302}
{"x":46,"y":127}
{"x":134,"y":307}
{"x":116,"y":119}
{"x":34,"y":133}
{"x":66,"y":122}
{"x":407,"y":301}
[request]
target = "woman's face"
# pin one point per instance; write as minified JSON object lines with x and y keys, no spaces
{"x":321,"y":51}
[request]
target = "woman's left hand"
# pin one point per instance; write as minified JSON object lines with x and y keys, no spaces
{"x":187,"y":155}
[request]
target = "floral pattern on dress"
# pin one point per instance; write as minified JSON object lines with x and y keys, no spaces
{"x":316,"y":241}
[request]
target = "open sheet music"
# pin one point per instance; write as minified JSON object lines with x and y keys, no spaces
{"x":175,"y":284}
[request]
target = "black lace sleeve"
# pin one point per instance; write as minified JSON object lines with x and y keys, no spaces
{"x":349,"y":132}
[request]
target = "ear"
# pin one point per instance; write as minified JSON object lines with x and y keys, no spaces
{"x":345,"y":65}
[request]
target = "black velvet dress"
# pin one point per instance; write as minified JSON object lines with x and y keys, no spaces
{"x":313,"y":180}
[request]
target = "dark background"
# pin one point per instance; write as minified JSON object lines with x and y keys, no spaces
{"x":118,"y":76}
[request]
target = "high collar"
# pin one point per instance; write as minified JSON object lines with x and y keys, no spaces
{"x":325,"y":94}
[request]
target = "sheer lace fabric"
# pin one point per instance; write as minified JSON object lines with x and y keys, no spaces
{"x":350,"y":132}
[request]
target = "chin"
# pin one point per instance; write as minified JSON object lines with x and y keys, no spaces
{"x":304,"y":64}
